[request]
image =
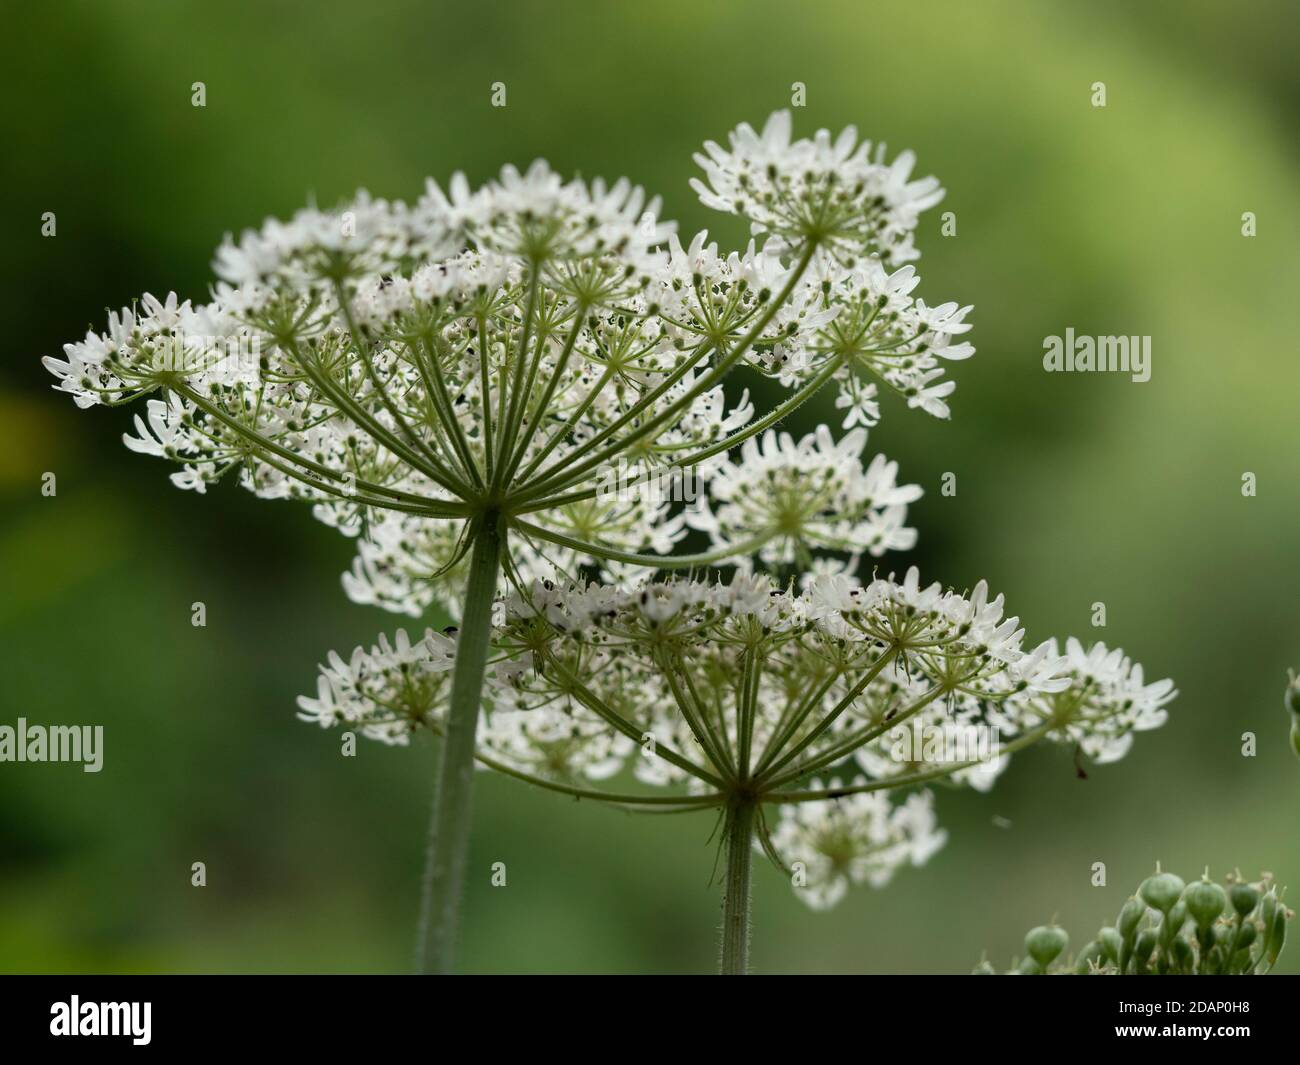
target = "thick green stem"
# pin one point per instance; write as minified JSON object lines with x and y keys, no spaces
{"x":735,"y":900}
{"x":444,"y":874}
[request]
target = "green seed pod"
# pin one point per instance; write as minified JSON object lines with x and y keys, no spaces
{"x":1129,"y":917}
{"x":1276,"y":937}
{"x":1205,"y":902}
{"x":1244,"y":898}
{"x":1161,"y":891}
{"x":1045,"y":943}
{"x":1170,"y":927}
{"x":1111,"y":942}
{"x":1267,"y":907}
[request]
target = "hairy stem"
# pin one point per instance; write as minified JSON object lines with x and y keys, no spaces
{"x":444,"y":874}
{"x":739,"y":842}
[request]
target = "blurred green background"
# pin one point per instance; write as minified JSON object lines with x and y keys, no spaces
{"x":1071,"y":488}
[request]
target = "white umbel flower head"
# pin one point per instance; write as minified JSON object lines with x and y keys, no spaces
{"x":832,"y":844}
{"x":838,"y":191}
{"x":492,"y":351}
{"x":1106,"y":701}
{"x":385,"y":693}
{"x":713,"y":693}
{"x":806,"y":496}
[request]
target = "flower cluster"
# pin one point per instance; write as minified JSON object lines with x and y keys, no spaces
{"x":384,"y":692}
{"x":406,"y":368}
{"x":798,"y":499}
{"x":828,"y":845}
{"x":707,"y":691}
{"x":1107,"y":701}
{"x":1172,"y":928}
{"x":450,"y":382}
{"x":839,"y":189}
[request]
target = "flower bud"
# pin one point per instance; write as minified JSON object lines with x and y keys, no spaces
{"x":1045,"y":943}
{"x":1129,"y":917}
{"x":1205,"y":902}
{"x":1173,"y":922}
{"x":1267,"y":907}
{"x":1292,"y":698}
{"x":1161,"y":891}
{"x":1276,"y":936}
{"x":1244,"y":898}
{"x":1174,"y":928}
{"x":1110,"y":942}
{"x":984,"y":968}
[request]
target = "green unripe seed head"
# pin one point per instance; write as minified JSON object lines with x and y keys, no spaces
{"x":1205,"y":902}
{"x":1045,"y":943}
{"x":1276,"y":936}
{"x":1244,"y":898}
{"x":1161,"y":891}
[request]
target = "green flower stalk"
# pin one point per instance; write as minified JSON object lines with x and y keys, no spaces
{"x":1170,"y":928}
{"x":451,"y":383}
